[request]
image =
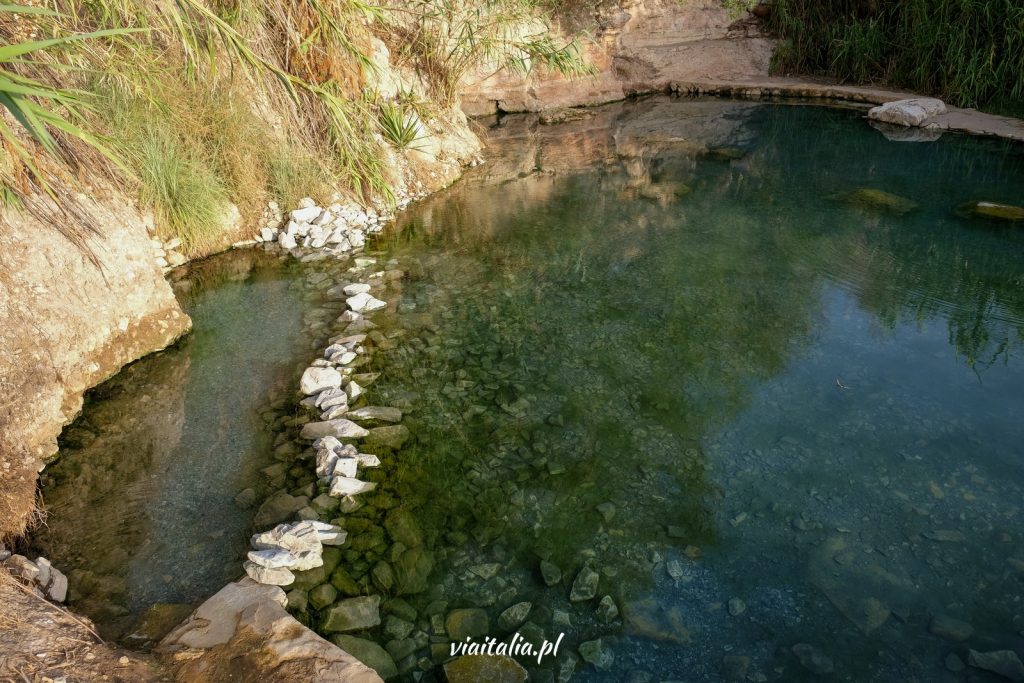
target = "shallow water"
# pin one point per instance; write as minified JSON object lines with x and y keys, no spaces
{"x":140,"y":501}
{"x":807,"y":404}
{"x":673,"y":310}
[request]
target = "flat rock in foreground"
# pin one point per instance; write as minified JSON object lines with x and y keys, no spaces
{"x":243,"y":633}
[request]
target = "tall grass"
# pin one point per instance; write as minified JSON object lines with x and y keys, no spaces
{"x":970,"y":52}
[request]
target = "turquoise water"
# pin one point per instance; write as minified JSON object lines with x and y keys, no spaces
{"x":791,"y":398}
{"x":673,"y":341}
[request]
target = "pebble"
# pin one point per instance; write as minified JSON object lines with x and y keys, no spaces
{"x":737,"y":607}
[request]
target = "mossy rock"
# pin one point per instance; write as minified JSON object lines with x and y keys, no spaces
{"x":867,"y":197}
{"x":309,"y":579}
{"x":412,"y":571}
{"x":344,"y":583}
{"x":724,"y":153}
{"x":992,"y":211}
{"x":323,"y":595}
{"x":494,"y":669}
{"x":369,"y":653}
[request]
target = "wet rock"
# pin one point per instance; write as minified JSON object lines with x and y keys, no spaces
{"x":514,"y":616}
{"x":246,"y":498}
{"x":403,"y":528}
{"x":595,"y":652}
{"x":467,"y":623}
{"x":585,"y":585}
{"x":268,"y":576}
{"x":486,"y":571}
{"x":945,"y":536}
{"x":376,"y":414}
{"x":910,"y":112}
{"x":412,"y":569}
{"x":344,"y":583}
{"x":278,"y":508}
{"x":812,"y":659}
{"x":339,"y":428}
{"x":737,"y":607}
{"x":649,"y":619}
{"x":383,"y":576}
{"x":479,"y":668}
{"x":950,"y":628}
{"x":551,"y":574}
{"x":607,"y":611}
{"x":310,"y":579}
{"x":369,"y":653}
{"x":314,"y":380}
{"x":323,"y":595}
{"x":298,"y":600}
{"x":607,"y":511}
{"x":400,"y":649}
{"x":1006,"y":663}
{"x":954,"y":663}
{"x":352,"y":614}
{"x":397,"y":628}
{"x":365,"y":303}
{"x":393,"y":437}
{"x":878,"y":199}
{"x":993,"y":211}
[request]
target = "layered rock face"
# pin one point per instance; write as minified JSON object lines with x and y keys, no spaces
{"x":639,"y":46}
{"x":71,"y":315}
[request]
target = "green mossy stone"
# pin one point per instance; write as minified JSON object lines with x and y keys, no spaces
{"x":344,"y":582}
{"x":369,"y":653}
{"x":322,"y":596}
{"x":993,"y":211}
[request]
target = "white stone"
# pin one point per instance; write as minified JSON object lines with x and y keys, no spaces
{"x":340,"y":428}
{"x":172,"y":244}
{"x":307,"y":560}
{"x":353,"y":390}
{"x":286,"y":241}
{"x":315,"y":380}
{"x":357,"y":288}
{"x":325,"y":462}
{"x":306,"y":215}
{"x":328,"y":443}
{"x":44,"y":571}
{"x":368,"y":460}
{"x":350,"y":317}
{"x":272,"y":558}
{"x":344,"y":358}
{"x":380,"y":413}
{"x":161,"y":261}
{"x":330,"y":398}
{"x":272,"y":577}
{"x":334,"y":412}
{"x":364,"y":303}
{"x":912,"y":112}
{"x":324,"y":218}
{"x":297,"y":537}
{"x":268,"y":234}
{"x":347,"y":486}
{"x":330,"y":534}
{"x":345,"y":467}
{"x":356,"y":238}
{"x":58,"y":589}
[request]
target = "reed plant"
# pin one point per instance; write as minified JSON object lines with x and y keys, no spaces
{"x":970,"y":52}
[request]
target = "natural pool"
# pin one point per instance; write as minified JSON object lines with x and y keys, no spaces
{"x":672,"y":343}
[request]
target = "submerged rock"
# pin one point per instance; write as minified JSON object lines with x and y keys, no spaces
{"x":514,"y":615}
{"x":878,"y":199}
{"x":993,"y":211}
{"x":585,"y":585}
{"x":550,"y":572}
{"x":352,"y":614}
{"x":369,"y":653}
{"x":950,"y":628}
{"x":594,"y":652}
{"x":467,"y":623}
{"x":813,"y":659}
{"x":376,"y":414}
{"x":479,"y":668}
{"x":1006,"y":663}
{"x":393,"y":437}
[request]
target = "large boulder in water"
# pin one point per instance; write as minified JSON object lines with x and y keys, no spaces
{"x":912,"y":112}
{"x":993,"y":211}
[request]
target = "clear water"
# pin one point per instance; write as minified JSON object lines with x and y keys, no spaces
{"x":140,"y":502}
{"x":792,"y":398}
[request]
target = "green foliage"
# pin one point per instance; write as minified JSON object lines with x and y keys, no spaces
{"x":398,"y":126}
{"x":738,"y":8}
{"x":966,"y":51}
{"x":445,"y":39}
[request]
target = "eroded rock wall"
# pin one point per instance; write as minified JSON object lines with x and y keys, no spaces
{"x":70,"y":317}
{"x":638,"y":46}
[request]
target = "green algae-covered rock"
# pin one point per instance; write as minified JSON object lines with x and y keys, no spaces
{"x":369,"y":653}
{"x":323,"y":595}
{"x":412,"y":570}
{"x":353,"y":614}
{"x":467,"y":623}
{"x":993,"y":211}
{"x":344,"y":582}
{"x":869,"y":198}
{"x":493,"y":669}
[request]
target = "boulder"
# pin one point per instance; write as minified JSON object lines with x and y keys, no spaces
{"x":243,"y":633}
{"x":269,"y":576}
{"x":912,"y":112}
{"x":478,"y":668}
{"x":353,"y":614}
{"x":365,"y":303}
{"x":369,"y":653}
{"x":297,"y":538}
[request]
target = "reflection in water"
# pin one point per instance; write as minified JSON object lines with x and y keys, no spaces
{"x":140,"y":502}
{"x":663,"y":343}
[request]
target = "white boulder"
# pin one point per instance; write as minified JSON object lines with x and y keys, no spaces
{"x":912,"y":112}
{"x":365,"y":303}
{"x":315,"y":380}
